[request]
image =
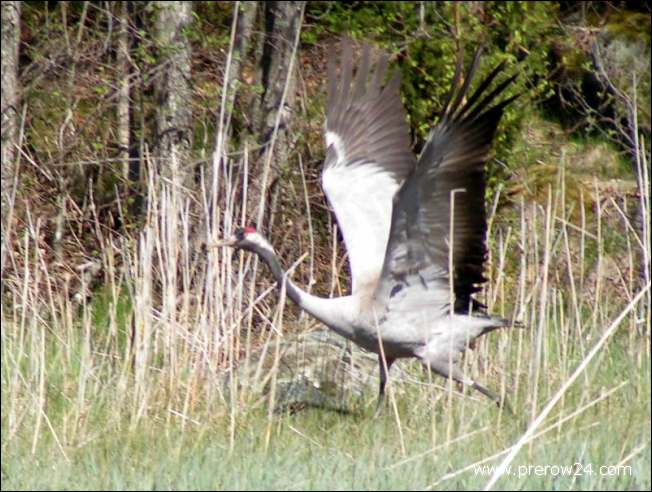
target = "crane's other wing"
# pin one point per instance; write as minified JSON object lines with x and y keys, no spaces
{"x":445,"y":193}
{"x":368,"y":157}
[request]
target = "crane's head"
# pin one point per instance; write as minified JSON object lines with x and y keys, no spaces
{"x":247,"y":238}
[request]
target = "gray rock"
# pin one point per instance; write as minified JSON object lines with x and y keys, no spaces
{"x":315,"y":369}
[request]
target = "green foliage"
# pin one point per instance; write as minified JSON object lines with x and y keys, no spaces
{"x":378,"y":21}
{"x":600,"y":69}
{"x":635,"y":26}
{"x":210,"y":28}
{"x":425,"y":38}
{"x":111,"y":322}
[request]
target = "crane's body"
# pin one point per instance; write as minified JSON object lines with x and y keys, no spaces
{"x":414,"y":229}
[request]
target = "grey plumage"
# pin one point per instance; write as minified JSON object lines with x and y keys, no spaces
{"x":396,"y":214}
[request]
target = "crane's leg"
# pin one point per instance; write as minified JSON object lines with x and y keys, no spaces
{"x":384,"y":375}
{"x":500,"y":402}
{"x":447,"y":370}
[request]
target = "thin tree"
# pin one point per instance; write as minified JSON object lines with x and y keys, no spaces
{"x":10,"y":42}
{"x":272,"y":110}
{"x":173,"y":92}
{"x":122,"y":58}
{"x":10,"y":101}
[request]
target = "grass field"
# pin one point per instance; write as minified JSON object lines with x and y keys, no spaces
{"x":125,"y":388}
{"x":429,"y":443}
{"x":323,"y":451}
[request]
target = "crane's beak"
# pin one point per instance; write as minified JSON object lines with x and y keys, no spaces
{"x":229,"y":242}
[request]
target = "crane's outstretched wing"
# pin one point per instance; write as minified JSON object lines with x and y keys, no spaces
{"x":445,"y":193}
{"x":368,"y":158}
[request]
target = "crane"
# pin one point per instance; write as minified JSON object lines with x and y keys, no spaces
{"x":414,"y":229}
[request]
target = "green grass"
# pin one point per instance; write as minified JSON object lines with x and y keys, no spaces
{"x":331,"y":453}
{"x":321,"y":450}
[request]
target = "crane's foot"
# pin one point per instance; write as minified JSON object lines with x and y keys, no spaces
{"x":380,"y":404}
{"x":384,"y":373}
{"x":379,"y":411}
{"x":500,"y":402}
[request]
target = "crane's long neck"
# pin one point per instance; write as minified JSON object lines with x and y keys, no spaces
{"x":300,"y":297}
{"x":337,"y":313}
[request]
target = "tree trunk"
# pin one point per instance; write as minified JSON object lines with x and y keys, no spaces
{"x":123,"y":88}
{"x":137,"y":125}
{"x":10,"y":101}
{"x":10,"y":41}
{"x":173,"y":93}
{"x":282,"y":24}
{"x":246,"y":17}
{"x":246,"y":12}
